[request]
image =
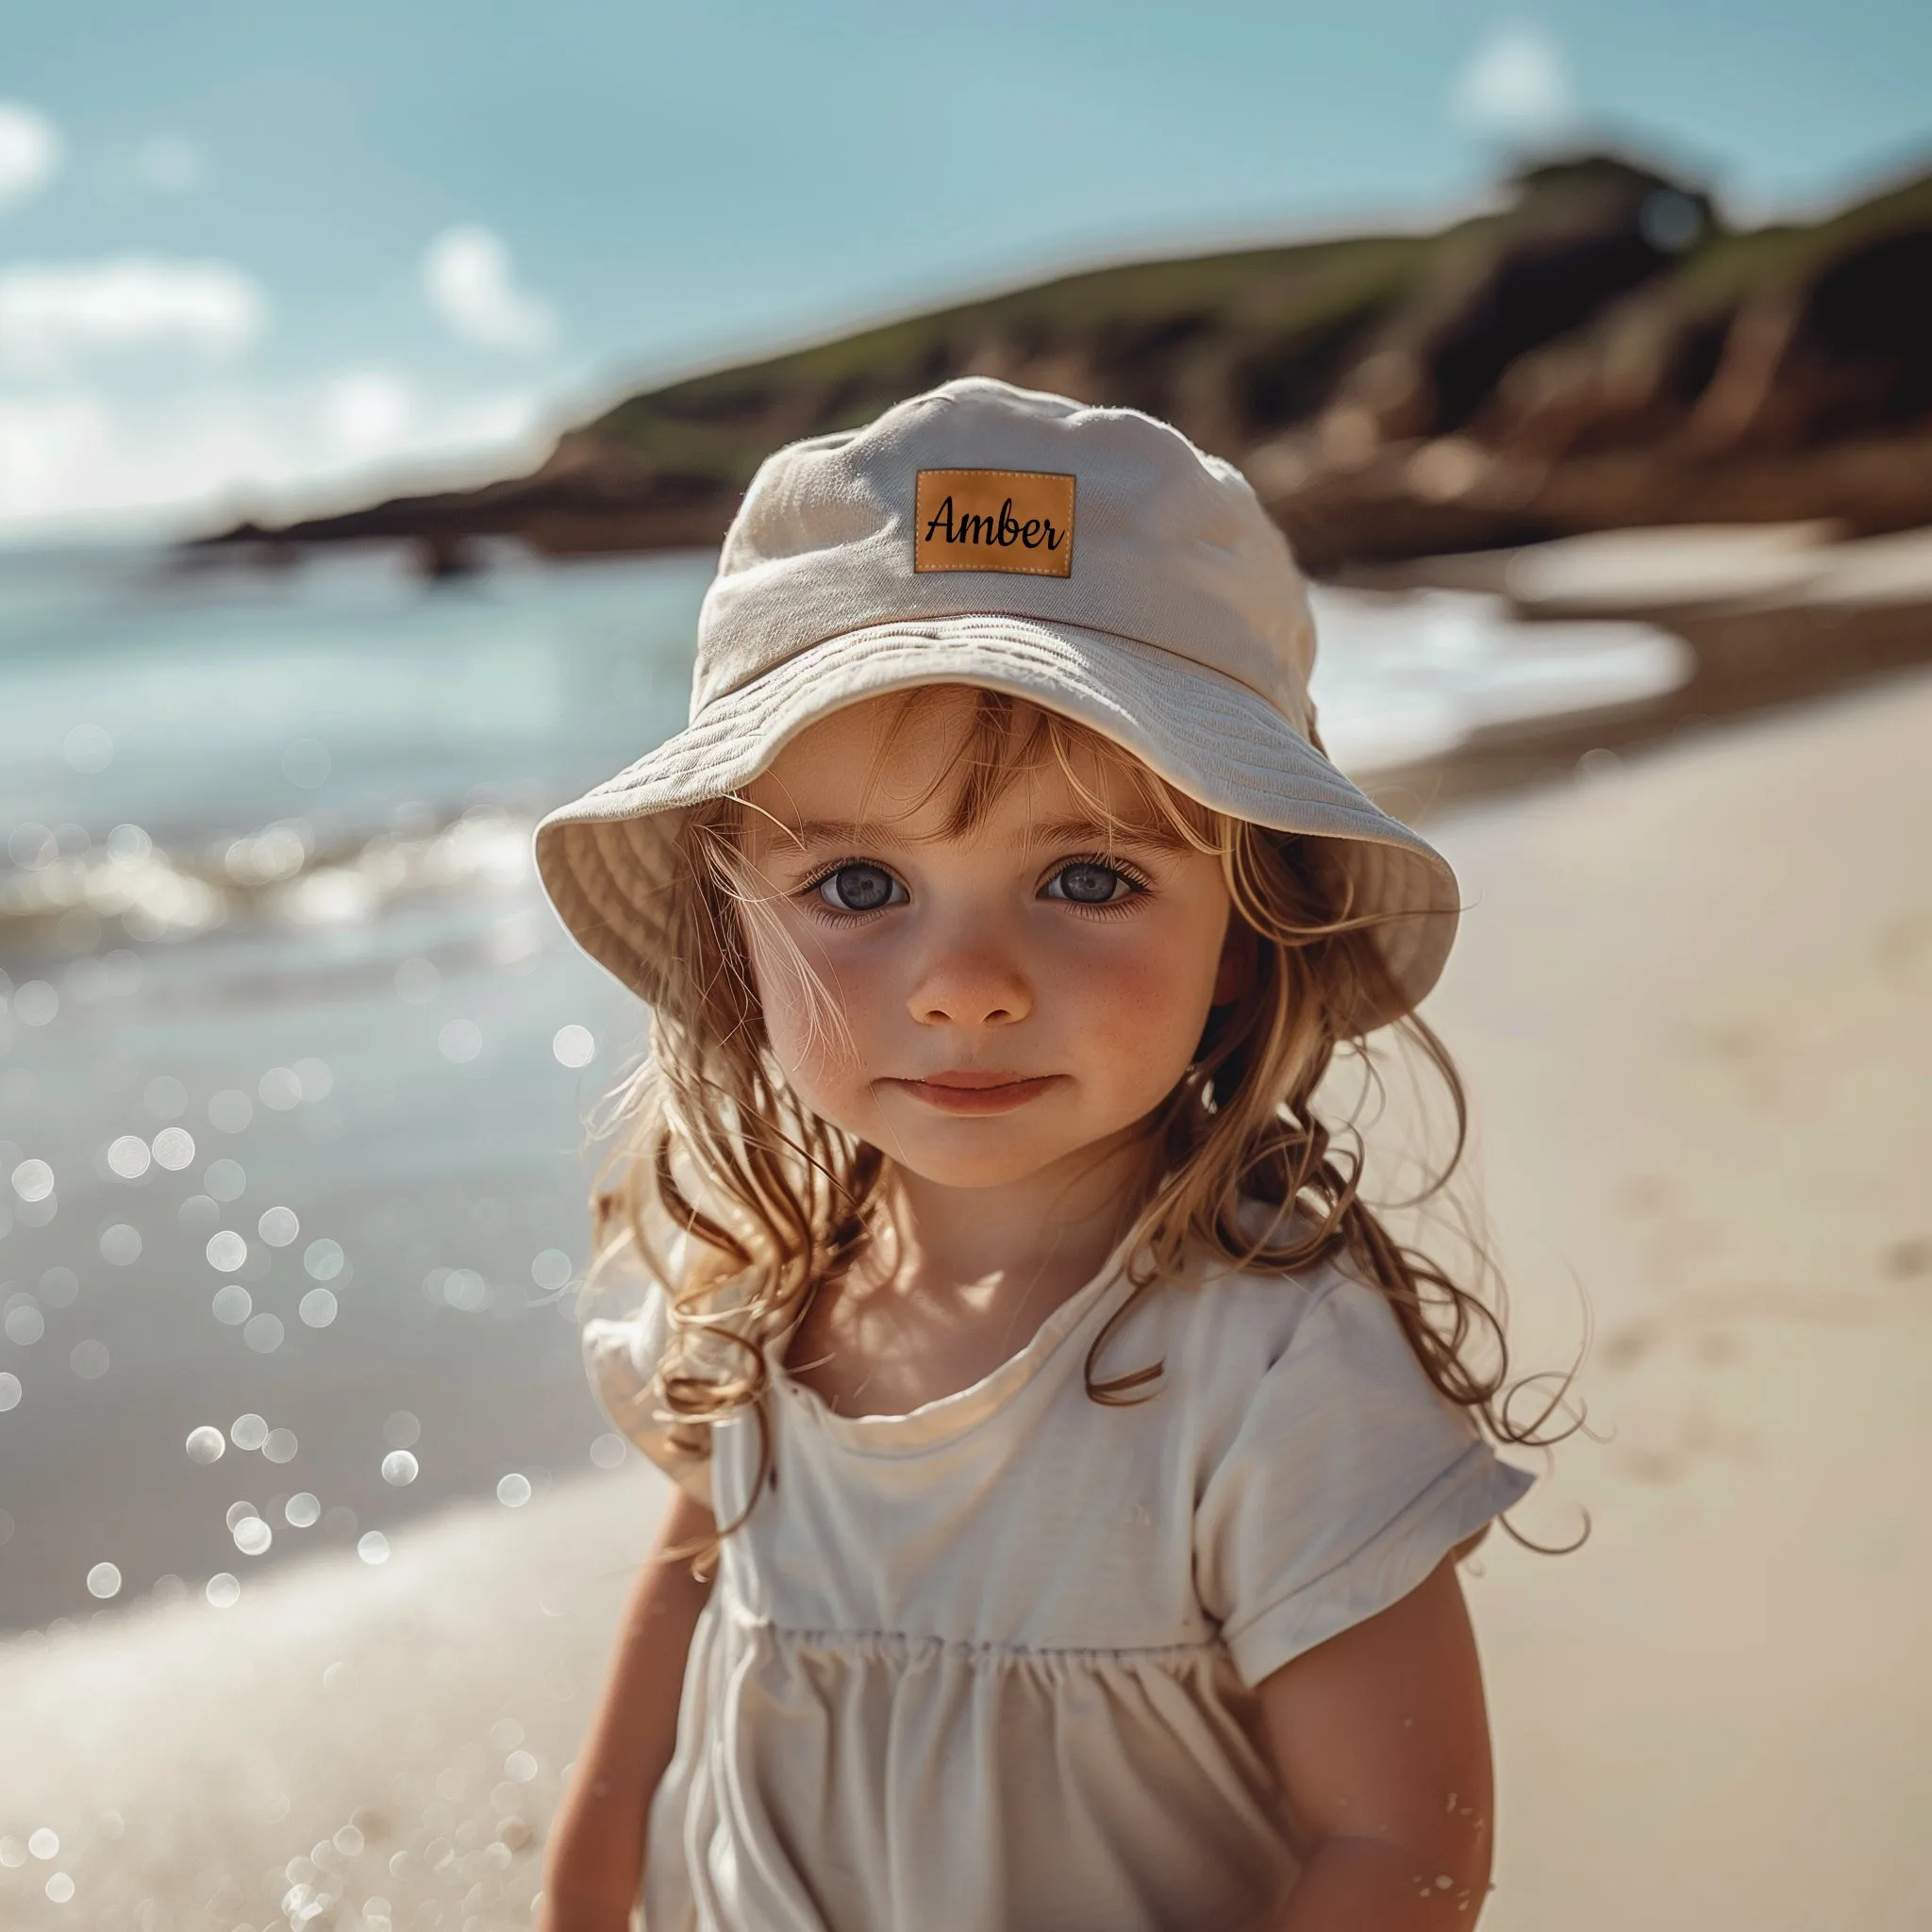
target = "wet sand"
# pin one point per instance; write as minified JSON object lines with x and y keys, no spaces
{"x":1695,"y":1008}
{"x":1694,"y":1001}
{"x":1771,"y":616}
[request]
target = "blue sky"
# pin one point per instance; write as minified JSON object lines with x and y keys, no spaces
{"x":251,"y":253}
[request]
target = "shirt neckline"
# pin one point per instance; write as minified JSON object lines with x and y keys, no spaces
{"x":947,"y":1417}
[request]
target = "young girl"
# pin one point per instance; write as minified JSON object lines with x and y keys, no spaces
{"x":1075,"y":1466}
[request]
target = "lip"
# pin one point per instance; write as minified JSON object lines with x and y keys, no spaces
{"x":976,"y":1091}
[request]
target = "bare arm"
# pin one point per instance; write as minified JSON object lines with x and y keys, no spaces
{"x":1382,"y":1745}
{"x":596,"y":1850}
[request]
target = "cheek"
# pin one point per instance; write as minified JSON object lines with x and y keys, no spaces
{"x":1143,"y":1005}
{"x":813,"y":1009}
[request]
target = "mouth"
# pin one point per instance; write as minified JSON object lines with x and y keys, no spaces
{"x":974,"y":1090}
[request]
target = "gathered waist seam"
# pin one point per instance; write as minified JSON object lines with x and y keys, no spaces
{"x":970,"y":1648}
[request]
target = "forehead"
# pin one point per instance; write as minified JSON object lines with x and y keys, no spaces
{"x":909,"y":765}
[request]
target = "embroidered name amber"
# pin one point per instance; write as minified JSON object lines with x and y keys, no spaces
{"x":1019,"y":520}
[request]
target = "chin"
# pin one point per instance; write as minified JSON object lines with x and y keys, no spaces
{"x":980,"y":1167}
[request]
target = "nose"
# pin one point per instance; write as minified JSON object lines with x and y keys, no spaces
{"x":970,"y":987}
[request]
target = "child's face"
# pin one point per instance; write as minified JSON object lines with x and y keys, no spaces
{"x":1001,"y":1001}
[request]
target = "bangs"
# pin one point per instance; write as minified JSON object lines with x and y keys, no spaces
{"x":1003,"y":741}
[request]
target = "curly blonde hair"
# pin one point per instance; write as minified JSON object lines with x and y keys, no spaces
{"x":710,"y":1142}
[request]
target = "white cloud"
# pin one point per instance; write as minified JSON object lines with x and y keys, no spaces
{"x":367,"y":414}
{"x":1516,"y":86}
{"x":31,"y":151}
{"x":466,"y":274}
{"x":49,"y":444}
{"x":50,"y":314}
{"x":171,"y":164}
{"x":74,"y":456}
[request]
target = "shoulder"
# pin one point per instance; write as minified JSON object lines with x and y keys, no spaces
{"x":625,"y":1347}
{"x":1322,"y":1345}
{"x":1223,"y":1314}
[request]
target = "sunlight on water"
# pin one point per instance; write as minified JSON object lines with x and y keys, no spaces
{"x":295,"y":1065}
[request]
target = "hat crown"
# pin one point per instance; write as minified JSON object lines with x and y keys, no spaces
{"x":1169,"y":545}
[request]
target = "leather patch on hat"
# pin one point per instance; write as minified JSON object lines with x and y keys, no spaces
{"x":1017,"y":521}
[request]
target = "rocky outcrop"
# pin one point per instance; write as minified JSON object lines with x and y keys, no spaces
{"x":1598,"y":352}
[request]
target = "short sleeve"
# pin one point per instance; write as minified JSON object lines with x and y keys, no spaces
{"x":621,"y":1356}
{"x":1347,"y":1480}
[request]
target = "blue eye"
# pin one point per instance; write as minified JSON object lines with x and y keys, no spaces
{"x":1084,"y":883}
{"x":860,"y":888}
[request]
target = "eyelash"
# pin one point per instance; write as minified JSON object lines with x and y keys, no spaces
{"x":1114,"y":908}
{"x":808,"y":896}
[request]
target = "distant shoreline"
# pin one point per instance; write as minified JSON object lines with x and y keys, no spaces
{"x":1597,"y":350}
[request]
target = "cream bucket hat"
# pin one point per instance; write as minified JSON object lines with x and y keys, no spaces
{"x":1091,"y":560}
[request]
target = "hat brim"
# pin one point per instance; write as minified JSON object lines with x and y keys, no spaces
{"x":607,"y":860}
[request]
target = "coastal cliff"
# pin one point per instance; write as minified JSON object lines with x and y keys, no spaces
{"x":1600,"y":351}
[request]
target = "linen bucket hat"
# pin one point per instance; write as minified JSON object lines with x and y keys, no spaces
{"x":1091,"y":560}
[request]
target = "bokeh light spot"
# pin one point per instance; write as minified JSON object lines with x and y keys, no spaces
{"x":280,"y":1445}
{"x":314,"y":1077}
{"x":399,"y":1468}
{"x":280,"y":1089}
{"x":248,"y":1431}
{"x":402,"y":1430}
{"x":278,"y":1226}
{"x":575,"y":1046}
{"x":464,"y":1289}
{"x":128,"y":1157}
{"x":33,"y":1180}
{"x":303,"y":1510}
{"x":230,"y":1110}
{"x":103,"y":1581}
{"x":322,"y":1259}
{"x":165,"y":1097}
{"x":60,"y":1287}
{"x":225,"y":1180}
{"x":263,"y":1333}
{"x":88,"y":748}
{"x":174,"y":1148}
{"x":372,"y":1546}
{"x":226,"y":1251}
{"x":232,"y":1305}
{"x":89,"y":1360}
{"x":551,"y":1269}
{"x":207,"y":1445}
{"x":460,"y":1040}
{"x":34,"y":1002}
{"x":513,"y":1490}
{"x":120,"y":1245}
{"x":224,"y":1591}
{"x":199,"y":1215}
{"x":305,"y":764}
{"x":32,"y":846}
{"x":318,"y":1308}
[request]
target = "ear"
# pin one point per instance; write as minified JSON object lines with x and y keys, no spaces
{"x":1235,"y":973}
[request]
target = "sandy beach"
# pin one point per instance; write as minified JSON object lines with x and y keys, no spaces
{"x":1694,"y":1002}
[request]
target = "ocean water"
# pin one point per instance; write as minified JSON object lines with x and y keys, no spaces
{"x":295,"y":1064}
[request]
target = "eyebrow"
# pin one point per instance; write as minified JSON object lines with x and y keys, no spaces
{"x":1063,"y":831}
